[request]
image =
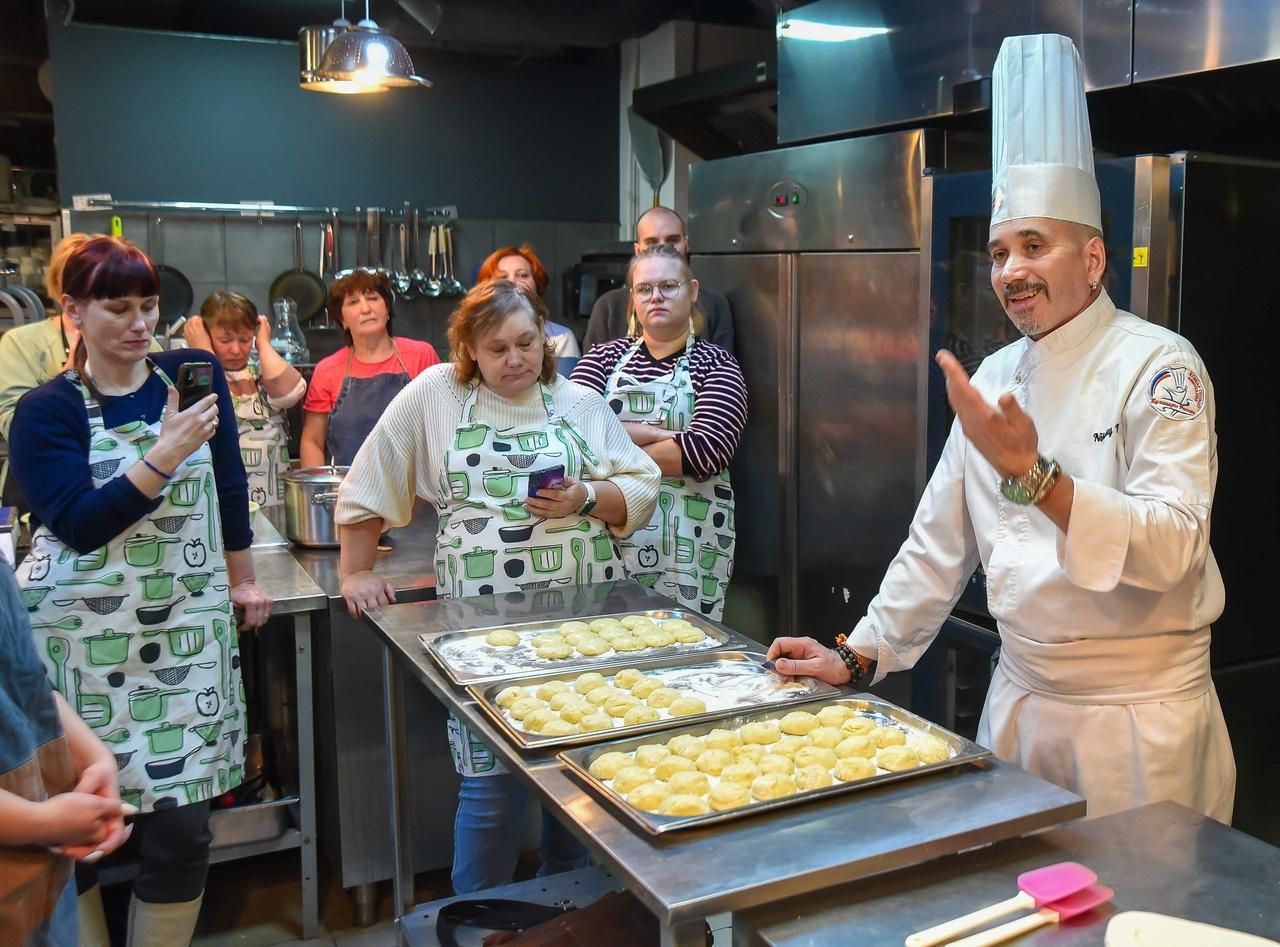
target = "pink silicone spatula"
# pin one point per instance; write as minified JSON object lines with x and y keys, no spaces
{"x":1036,"y":888}
{"x":1054,"y":913}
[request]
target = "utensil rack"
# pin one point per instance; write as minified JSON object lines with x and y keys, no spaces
{"x":200,"y":208}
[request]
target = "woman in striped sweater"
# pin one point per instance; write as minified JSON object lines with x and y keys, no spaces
{"x":684,"y":402}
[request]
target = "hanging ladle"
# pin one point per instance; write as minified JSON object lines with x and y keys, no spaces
{"x":419,"y":277}
{"x":433,"y":285}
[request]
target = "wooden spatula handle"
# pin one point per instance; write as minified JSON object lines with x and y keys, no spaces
{"x":950,"y":930}
{"x":998,"y":935}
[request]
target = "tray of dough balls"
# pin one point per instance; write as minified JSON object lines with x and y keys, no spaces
{"x":482,"y":655}
{"x":740,"y":765}
{"x":568,"y":709}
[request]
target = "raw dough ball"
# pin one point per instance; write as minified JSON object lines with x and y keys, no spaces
{"x":649,"y":796}
{"x":761,"y":731}
{"x":858,"y":745}
{"x":629,"y":777}
{"x":854,"y":768}
{"x":713,"y":761}
{"x":575,"y":638}
{"x":550,"y":689}
{"x":600,"y":623}
{"x":559,"y":701}
{"x":887,"y":736}
{"x":670,"y":765}
{"x":744,"y":773}
{"x":538,"y":719}
{"x":572,"y":627}
{"x":656,"y":637}
{"x":751,"y":753}
{"x":897,"y":757}
{"x":573,"y":713}
{"x":719,"y":739}
{"x":509,"y":695}
{"x":789,"y":745}
{"x":687,"y":707}
{"x":626,"y":677}
{"x":600,"y":695}
{"x":588,"y":682}
{"x":798,"y":721}
{"x":694,"y":783}
{"x":639,"y":713}
{"x":687,"y":635}
{"x":728,"y":796}
{"x":593,"y":722}
{"x":858,"y":725}
{"x":606,"y":765}
{"x":619,"y":704}
{"x":555,"y":652}
{"x":630,"y":621}
{"x":687,"y":745}
{"x":502,"y":638}
{"x":524,"y":706}
{"x":773,"y":786}
{"x":592,"y":645}
{"x":541,"y":641}
{"x":929,"y":748}
{"x":651,"y":754}
{"x":813,"y":777}
{"x":828,"y":737}
{"x":769,"y":763}
{"x":559,"y":728}
{"x":627,"y":643}
{"x":674,"y":623}
{"x":662,"y":697}
{"x":684,"y":805}
{"x":834,"y":715}
{"x":609,"y":632}
{"x":815,"y":756}
{"x":645,"y":687}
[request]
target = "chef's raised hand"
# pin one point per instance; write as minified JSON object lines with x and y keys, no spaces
{"x":1002,"y":433}
{"x":196,"y":335}
{"x":799,"y":656}
{"x":363,"y":590}
{"x":553,"y":503}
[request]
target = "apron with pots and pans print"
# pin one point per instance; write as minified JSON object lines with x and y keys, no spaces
{"x":264,"y":442}
{"x":686,"y":551}
{"x":139,"y":635}
{"x":487,"y":542}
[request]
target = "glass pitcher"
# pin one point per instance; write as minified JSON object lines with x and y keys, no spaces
{"x":286,"y":334}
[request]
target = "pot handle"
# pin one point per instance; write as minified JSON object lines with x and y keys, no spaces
{"x":325,"y":499}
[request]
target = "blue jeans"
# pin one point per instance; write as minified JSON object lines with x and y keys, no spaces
{"x":487,"y":831}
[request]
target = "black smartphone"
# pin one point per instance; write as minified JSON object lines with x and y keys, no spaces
{"x":552,"y":478}
{"x":195,"y":380}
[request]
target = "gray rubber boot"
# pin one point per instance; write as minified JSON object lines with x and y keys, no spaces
{"x":162,"y":925}
{"x":93,"y":921}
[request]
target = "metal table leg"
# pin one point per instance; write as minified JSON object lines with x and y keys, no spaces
{"x":687,"y":933}
{"x":306,"y":773}
{"x":398,"y":778}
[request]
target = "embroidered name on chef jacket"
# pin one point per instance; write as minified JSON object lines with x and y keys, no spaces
{"x":1176,"y":392}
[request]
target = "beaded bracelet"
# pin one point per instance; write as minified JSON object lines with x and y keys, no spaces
{"x":156,"y":470}
{"x":851,"y":659}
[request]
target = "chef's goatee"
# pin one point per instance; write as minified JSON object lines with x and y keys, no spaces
{"x":1041,"y":149}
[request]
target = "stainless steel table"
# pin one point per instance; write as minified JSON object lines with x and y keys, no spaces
{"x":1162,"y":857}
{"x":687,"y":876}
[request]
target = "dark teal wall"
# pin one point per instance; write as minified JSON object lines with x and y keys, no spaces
{"x":154,"y":116}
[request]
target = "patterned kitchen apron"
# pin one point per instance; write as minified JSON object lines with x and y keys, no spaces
{"x":139,"y":635}
{"x":687,"y":549}
{"x":356,"y":410}
{"x":264,"y":441}
{"x":487,"y":542}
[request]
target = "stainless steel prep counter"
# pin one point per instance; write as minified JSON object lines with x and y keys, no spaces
{"x":1162,"y":857}
{"x":690,"y":875}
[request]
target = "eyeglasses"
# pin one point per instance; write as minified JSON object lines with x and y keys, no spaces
{"x":667,"y":289}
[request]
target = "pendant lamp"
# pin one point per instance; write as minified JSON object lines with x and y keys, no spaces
{"x":369,"y":56}
{"x":312,"y":43}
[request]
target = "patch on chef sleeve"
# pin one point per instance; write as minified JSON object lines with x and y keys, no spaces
{"x":1176,"y":392}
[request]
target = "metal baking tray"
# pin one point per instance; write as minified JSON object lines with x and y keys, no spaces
{"x":466,"y":659}
{"x":579,"y":760}
{"x":724,"y":680}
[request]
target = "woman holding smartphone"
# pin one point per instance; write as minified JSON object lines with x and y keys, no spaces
{"x":139,"y":569}
{"x":474,"y":437}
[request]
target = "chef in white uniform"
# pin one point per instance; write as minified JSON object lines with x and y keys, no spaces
{"x":1080,"y":474}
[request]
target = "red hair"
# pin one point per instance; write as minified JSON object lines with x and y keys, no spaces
{"x":489,"y":268}
{"x":109,"y":268}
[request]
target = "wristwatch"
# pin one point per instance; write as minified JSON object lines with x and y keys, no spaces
{"x":1034,"y":485}
{"x":589,"y":503}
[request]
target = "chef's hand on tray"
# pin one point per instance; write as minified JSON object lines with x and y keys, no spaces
{"x":252,"y":604}
{"x":553,"y":503}
{"x":800,"y":656}
{"x":363,"y":590}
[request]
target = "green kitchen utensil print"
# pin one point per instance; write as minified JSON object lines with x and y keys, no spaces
{"x":459,"y":484}
{"x":602,"y":546}
{"x":579,"y":550}
{"x":108,"y":648}
{"x":220,"y":635}
{"x":144,"y":443}
{"x":213,"y":520}
{"x":59,"y":651}
{"x":70,"y":623}
{"x":532,"y":440}
{"x":696,"y":507}
{"x":470,"y":436}
{"x":94,"y":709}
{"x":478,"y":564}
{"x":583,"y":526}
{"x":103,"y":445}
{"x":665,"y":502}
{"x":640,"y":401}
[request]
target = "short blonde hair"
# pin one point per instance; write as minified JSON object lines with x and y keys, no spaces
{"x":697,"y":321}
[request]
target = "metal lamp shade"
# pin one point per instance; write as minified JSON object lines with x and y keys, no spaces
{"x":370,"y":57}
{"x":312,"y":43}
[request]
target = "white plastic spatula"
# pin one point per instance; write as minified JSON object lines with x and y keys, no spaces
{"x":1054,"y":913}
{"x":1036,"y":888}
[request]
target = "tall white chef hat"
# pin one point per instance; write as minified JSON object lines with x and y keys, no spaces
{"x":1041,"y":149}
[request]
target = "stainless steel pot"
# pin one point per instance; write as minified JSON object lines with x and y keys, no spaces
{"x":310,"y":494}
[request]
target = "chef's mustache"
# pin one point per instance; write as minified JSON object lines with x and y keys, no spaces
{"x":1026,"y":286}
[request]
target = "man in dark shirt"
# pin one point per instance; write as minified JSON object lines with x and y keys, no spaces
{"x":609,"y":316}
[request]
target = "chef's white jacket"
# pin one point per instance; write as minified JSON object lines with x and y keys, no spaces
{"x":1103,"y":682}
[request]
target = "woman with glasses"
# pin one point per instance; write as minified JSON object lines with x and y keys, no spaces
{"x":684,"y":402}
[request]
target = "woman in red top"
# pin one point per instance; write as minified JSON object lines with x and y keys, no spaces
{"x":351,"y":388}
